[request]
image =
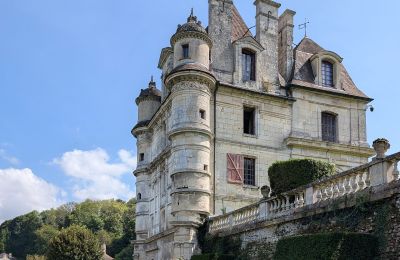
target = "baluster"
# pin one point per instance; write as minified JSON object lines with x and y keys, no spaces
{"x":278,"y":206}
{"x":324,"y":193}
{"x":329,"y":190}
{"x":335,"y":189}
{"x":341,"y":187}
{"x":367,"y":179}
{"x":347,"y":185}
{"x":396,"y":171}
{"x":318,"y":195}
{"x":361,"y":183}
{"x":287,"y":204}
{"x":354,"y":185}
{"x":301,"y":199}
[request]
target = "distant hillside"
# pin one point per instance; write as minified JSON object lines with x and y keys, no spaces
{"x":112,"y":221}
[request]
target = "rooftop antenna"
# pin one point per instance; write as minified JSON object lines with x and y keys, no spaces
{"x":304,"y":26}
{"x":191,"y":12}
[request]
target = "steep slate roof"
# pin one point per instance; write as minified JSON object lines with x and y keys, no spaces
{"x":239,"y":27}
{"x":303,"y":74}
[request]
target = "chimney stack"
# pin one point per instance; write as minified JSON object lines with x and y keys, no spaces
{"x":220,"y":32}
{"x":267,"y":36}
{"x":286,"y":24}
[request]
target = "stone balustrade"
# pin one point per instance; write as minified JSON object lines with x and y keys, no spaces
{"x":379,"y":171}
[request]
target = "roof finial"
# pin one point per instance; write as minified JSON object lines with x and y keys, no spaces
{"x":191,"y":17}
{"x":152,"y":83}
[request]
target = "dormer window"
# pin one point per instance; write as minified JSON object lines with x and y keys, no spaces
{"x":327,"y":69}
{"x":249,"y":65}
{"x":327,"y":74}
{"x":185,"y":51}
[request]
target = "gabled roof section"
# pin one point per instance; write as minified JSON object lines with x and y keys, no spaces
{"x":303,"y":74}
{"x":309,"y":46}
{"x":239,"y":27}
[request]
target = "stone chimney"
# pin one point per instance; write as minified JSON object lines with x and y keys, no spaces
{"x":220,"y":32}
{"x":286,"y":25}
{"x":267,"y":36}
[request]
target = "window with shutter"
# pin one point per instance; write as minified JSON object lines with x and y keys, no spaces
{"x":329,"y":128}
{"x":235,"y":168}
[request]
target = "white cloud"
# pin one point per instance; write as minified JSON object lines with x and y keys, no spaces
{"x":21,"y":191}
{"x":8,"y":158}
{"x":95,"y":177}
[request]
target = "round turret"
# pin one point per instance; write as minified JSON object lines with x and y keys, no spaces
{"x":191,"y":85}
{"x":148,"y":102}
{"x":191,"y":44}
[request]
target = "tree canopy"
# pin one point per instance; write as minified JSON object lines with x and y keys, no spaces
{"x":110,"y":221}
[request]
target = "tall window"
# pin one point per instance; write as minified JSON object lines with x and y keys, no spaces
{"x":329,"y":127}
{"x":185,"y":51}
{"x":249,"y":65}
{"x":249,"y":120}
{"x":327,"y":74}
{"x":249,"y":171}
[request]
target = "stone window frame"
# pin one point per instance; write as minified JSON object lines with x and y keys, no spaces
{"x":256,"y":119}
{"x":250,"y":44}
{"x":316,"y":64}
{"x":255,"y":171}
{"x":336,"y":125}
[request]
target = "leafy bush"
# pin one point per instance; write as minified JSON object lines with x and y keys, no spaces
{"x":75,"y":242}
{"x":337,"y":246}
{"x":287,"y":175}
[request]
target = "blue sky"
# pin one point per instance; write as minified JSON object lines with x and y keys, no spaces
{"x":71,"y":69}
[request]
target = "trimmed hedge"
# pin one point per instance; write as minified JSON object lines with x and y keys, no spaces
{"x":288,"y":175}
{"x":337,"y":246}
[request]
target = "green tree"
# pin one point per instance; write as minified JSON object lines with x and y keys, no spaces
{"x":75,"y":243}
{"x":43,"y":237}
{"x":22,"y":234}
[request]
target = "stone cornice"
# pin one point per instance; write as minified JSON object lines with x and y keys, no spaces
{"x":190,"y":129}
{"x":268,"y":2}
{"x":329,"y":146}
{"x":191,"y":34}
{"x":191,"y":75}
{"x":316,"y":88}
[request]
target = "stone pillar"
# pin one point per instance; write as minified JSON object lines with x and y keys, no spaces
{"x":382,"y":171}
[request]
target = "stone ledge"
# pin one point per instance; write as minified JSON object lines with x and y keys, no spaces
{"x":329,"y":146}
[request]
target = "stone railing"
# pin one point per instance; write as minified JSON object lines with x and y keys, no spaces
{"x":377,"y":172}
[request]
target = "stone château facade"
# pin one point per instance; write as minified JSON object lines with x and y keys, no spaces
{"x":232,"y":103}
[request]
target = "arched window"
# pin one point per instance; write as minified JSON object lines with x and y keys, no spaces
{"x":248,"y":65}
{"x":139,"y":196}
{"x":329,"y":127}
{"x":327,"y":74}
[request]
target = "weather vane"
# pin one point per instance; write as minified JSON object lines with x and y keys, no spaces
{"x":304,"y":26}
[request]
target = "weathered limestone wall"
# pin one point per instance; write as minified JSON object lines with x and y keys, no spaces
{"x":273,"y":121}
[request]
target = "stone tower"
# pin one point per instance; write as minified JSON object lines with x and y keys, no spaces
{"x":148,"y":103}
{"x":191,"y":85}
